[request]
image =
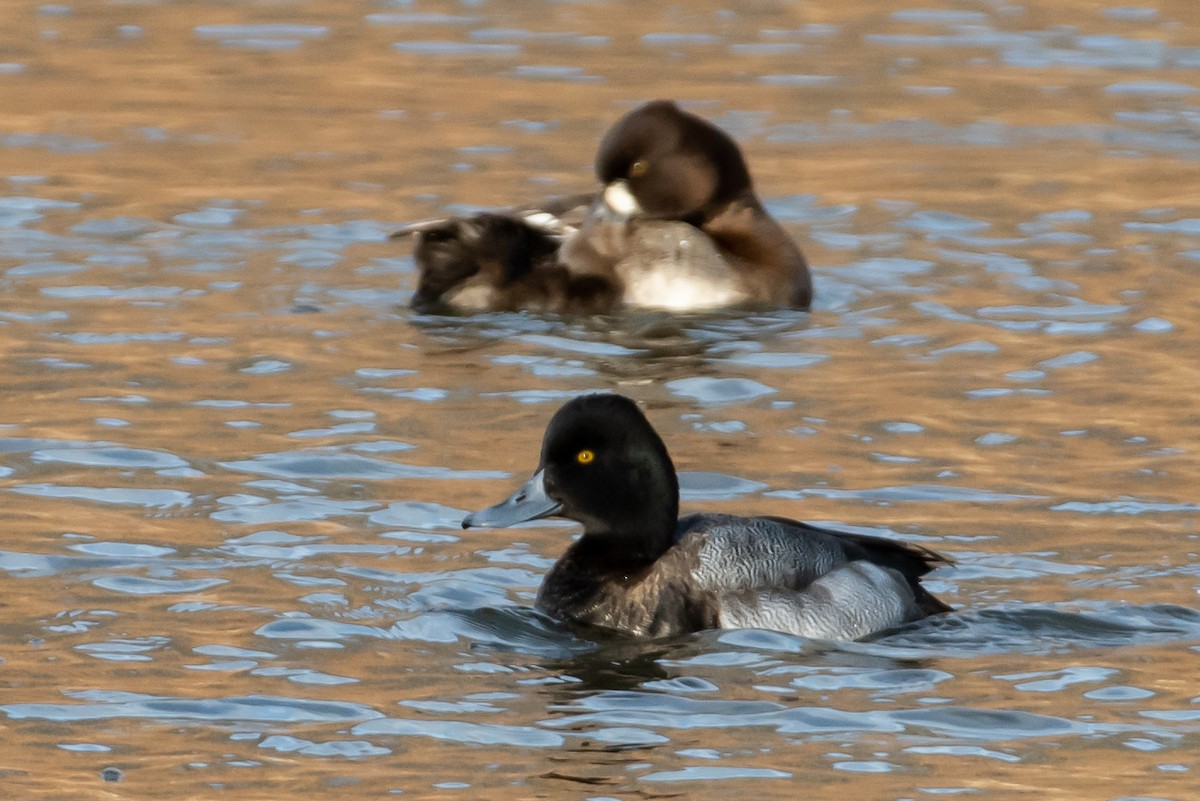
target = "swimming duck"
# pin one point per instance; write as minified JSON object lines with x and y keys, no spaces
{"x":660,"y":164}
{"x":641,"y":569}
{"x":677,"y":225}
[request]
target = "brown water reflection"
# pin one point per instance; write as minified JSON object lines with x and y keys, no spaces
{"x":232,"y":464}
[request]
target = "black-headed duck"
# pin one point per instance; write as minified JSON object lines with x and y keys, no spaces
{"x":641,"y":569}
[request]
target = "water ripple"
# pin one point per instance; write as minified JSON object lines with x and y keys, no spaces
{"x":462,"y":732}
{"x":141,"y":585}
{"x":149,"y":498}
{"x":110,"y":457}
{"x":913,"y":493}
{"x":329,"y":463}
{"x":104,"y":705}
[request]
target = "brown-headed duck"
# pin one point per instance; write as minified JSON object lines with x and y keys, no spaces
{"x":677,"y":225}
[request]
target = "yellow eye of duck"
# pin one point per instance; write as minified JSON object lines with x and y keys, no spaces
{"x":638,"y":169}
{"x":585,"y":456}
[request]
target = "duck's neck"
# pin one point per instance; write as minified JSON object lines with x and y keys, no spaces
{"x":639,"y":524}
{"x":624,"y":550}
{"x":600,"y":561}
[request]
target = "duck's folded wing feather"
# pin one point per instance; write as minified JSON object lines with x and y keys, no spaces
{"x":910,"y":558}
{"x":736,"y":554}
{"x":740,"y":553}
{"x":851,"y":601}
{"x":558,"y":216}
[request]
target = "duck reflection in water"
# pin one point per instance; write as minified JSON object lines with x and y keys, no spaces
{"x":641,"y":569}
{"x":677,"y":225}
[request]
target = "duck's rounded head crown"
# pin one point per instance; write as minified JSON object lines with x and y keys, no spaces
{"x":610,"y":471}
{"x":676,"y":164}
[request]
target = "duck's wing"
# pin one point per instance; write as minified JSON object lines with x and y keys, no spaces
{"x":772,"y":572}
{"x":780,"y":551}
{"x":852,"y":601}
{"x":571,"y":209}
{"x":558,"y":216}
{"x":910,"y":558}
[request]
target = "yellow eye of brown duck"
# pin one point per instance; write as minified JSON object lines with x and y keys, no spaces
{"x":638,"y":169}
{"x":585,"y":457}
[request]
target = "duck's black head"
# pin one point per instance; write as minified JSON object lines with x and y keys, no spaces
{"x":604,"y":466}
{"x":675,"y":165}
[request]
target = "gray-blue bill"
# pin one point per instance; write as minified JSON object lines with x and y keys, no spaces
{"x":530,"y":502}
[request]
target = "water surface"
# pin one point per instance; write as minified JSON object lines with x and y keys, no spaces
{"x":233,"y":464}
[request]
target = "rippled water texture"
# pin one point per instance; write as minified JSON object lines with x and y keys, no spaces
{"x":233,"y":464}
